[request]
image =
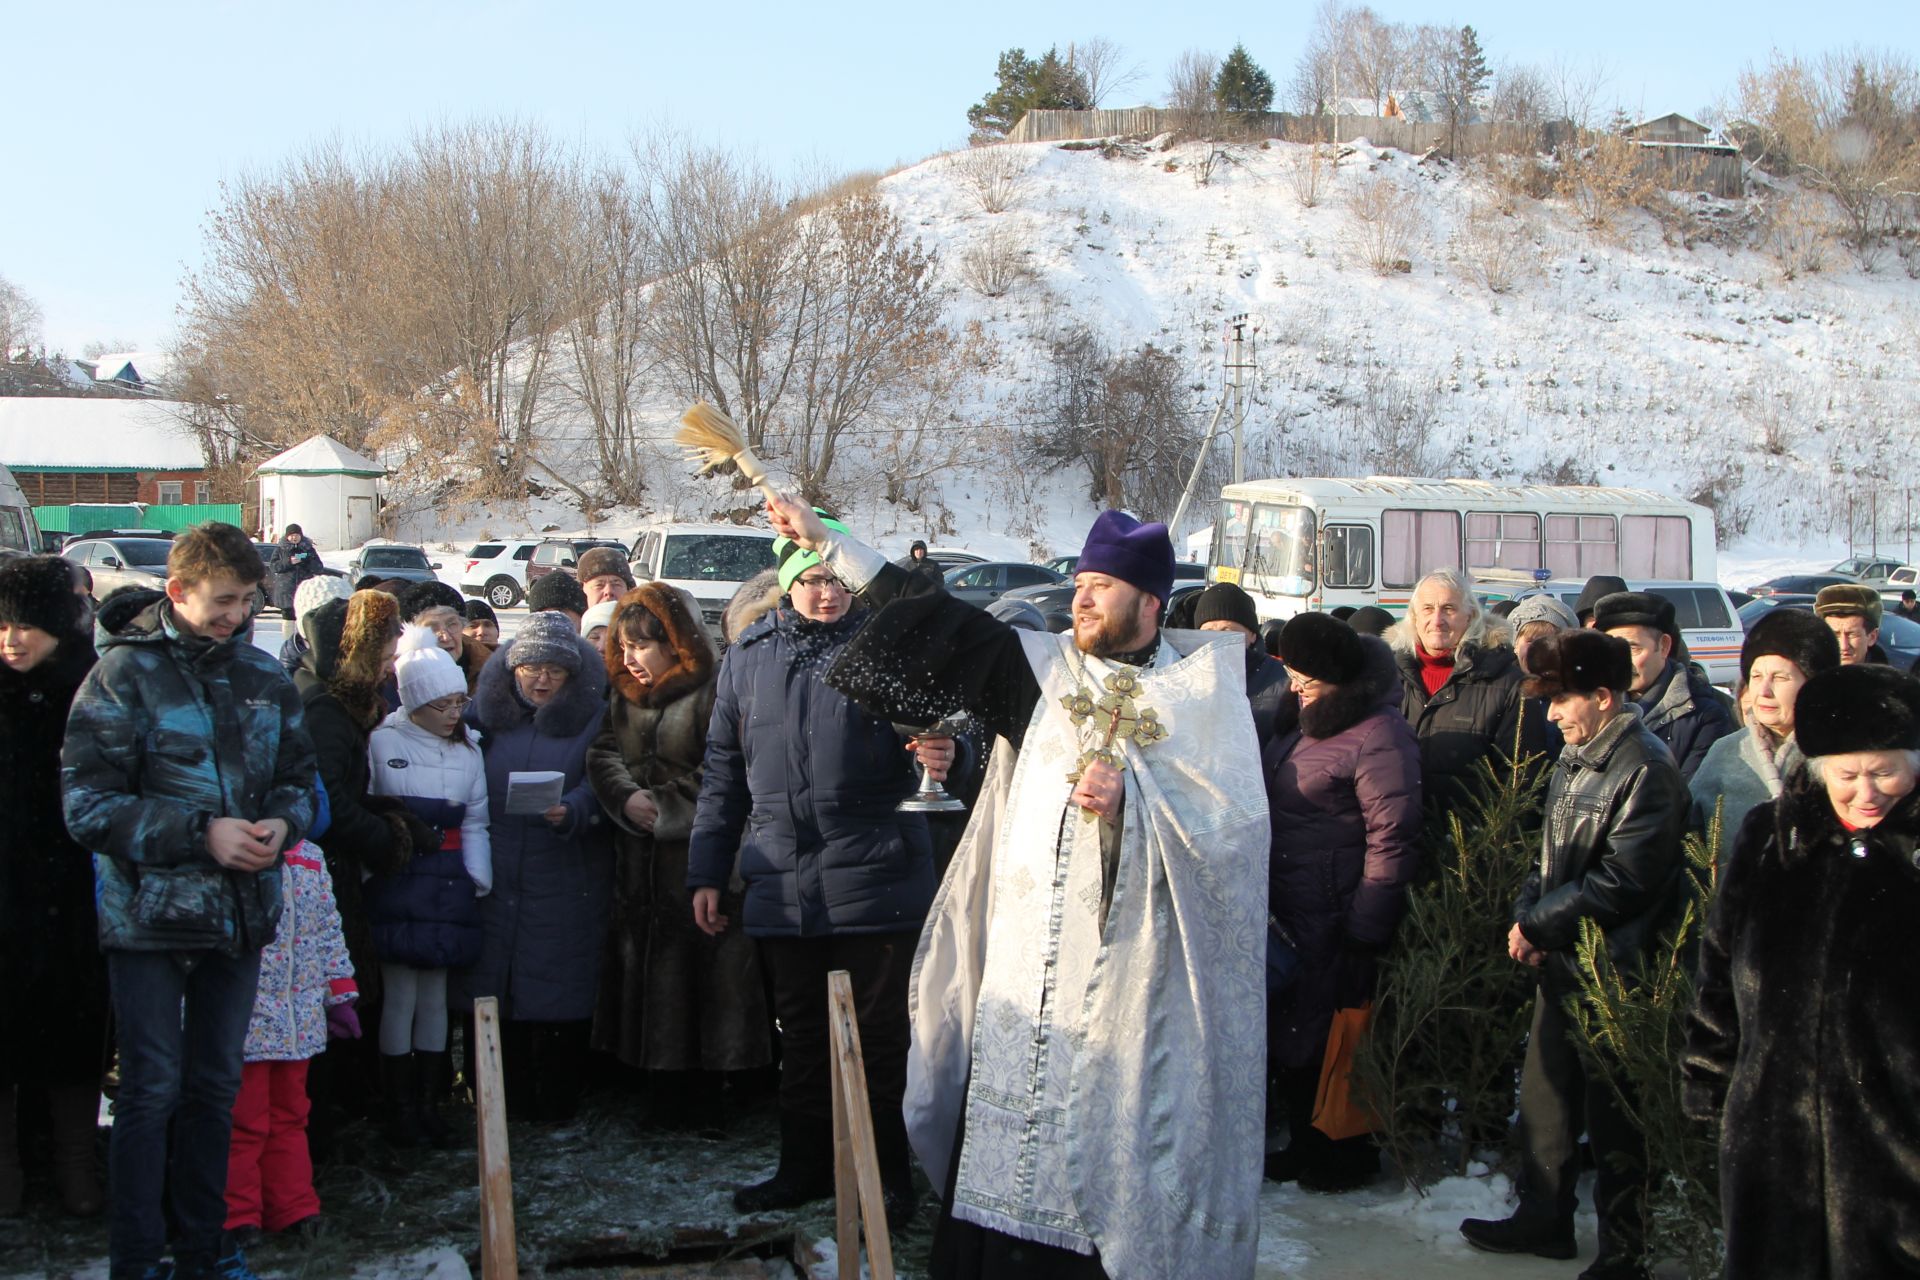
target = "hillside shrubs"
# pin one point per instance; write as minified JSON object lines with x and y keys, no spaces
{"x":1384,"y":223}
{"x":993,"y":175}
{"x":994,"y":263}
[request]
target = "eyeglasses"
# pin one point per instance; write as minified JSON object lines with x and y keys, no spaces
{"x":446,"y":705}
{"x":1303,"y":684}
{"x":545,"y":671}
{"x":823,"y":582}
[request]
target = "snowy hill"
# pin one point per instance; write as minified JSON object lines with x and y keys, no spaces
{"x":1613,"y":357}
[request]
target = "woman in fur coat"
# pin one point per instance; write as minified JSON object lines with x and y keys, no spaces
{"x":1343,"y":789}
{"x":672,"y":999}
{"x":1801,"y":1044}
{"x":53,"y":982}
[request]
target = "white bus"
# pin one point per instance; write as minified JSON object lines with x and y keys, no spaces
{"x":1298,"y":545}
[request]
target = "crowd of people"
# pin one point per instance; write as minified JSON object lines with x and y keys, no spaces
{"x":265,"y":890}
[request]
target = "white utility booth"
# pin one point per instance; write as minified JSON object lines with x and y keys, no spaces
{"x":327,"y":489}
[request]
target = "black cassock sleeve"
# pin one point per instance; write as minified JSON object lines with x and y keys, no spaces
{"x":924,"y":655}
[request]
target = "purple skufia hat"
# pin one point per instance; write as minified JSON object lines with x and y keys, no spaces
{"x":1121,"y":547}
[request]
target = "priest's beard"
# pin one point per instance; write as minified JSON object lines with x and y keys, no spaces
{"x":1113,"y":634}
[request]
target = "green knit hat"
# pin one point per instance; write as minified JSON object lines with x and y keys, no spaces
{"x":794,"y":559}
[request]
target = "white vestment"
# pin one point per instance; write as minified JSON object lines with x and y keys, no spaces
{"x":1113,"y":1082}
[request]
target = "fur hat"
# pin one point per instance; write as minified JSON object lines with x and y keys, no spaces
{"x":1634,"y":609}
{"x":1225,"y":602}
{"x":1578,"y":661}
{"x":422,"y":596}
{"x":373,"y":619}
{"x":1849,"y":600}
{"x":598,"y":562}
{"x":37,"y":591}
{"x":546,"y":636}
{"x":1866,"y":707}
{"x":1541,"y":608}
{"x":1370,"y":620}
{"x":478,"y":610}
{"x":317,"y":590}
{"x":1598,"y":587}
{"x":1793,"y":634}
{"x":679,"y":617}
{"x":757,"y":597}
{"x":1120,"y":546}
{"x":557,"y":590}
{"x":425,"y":671}
{"x":795,"y":560}
{"x":600,"y":615}
{"x":1322,"y":648}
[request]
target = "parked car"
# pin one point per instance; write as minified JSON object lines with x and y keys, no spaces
{"x":1055,"y":600}
{"x":1899,"y":637}
{"x":708,"y":561}
{"x":393,"y":560}
{"x":982,"y":584}
{"x":952,"y":557}
{"x":1873,"y":571}
{"x":1707,"y":619}
{"x":67,"y":539}
{"x":1798,"y":583}
{"x":497,"y":571}
{"x":1183,"y":570}
{"x":121,"y":562}
{"x":559,"y":555}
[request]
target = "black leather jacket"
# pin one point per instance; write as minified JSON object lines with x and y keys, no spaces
{"x":1610,"y":850}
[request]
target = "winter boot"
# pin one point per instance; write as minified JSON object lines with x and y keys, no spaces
{"x":403,"y":1129}
{"x":434,"y":1077}
{"x":560,"y":1070}
{"x":1339,"y":1166}
{"x":12,"y":1181}
{"x":1297,"y":1087}
{"x":1521,"y":1234}
{"x":806,"y":1167}
{"x":897,"y":1191}
{"x":74,"y":1114}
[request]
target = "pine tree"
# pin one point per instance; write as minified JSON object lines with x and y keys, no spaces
{"x":1463,"y":78}
{"x":1242,"y":87}
{"x":1026,"y":84}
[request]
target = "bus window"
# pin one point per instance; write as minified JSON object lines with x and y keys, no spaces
{"x":1230,"y":539}
{"x":1656,"y":547}
{"x":13,"y":531}
{"x":1581,"y":546}
{"x":1348,"y":560}
{"x":1415,"y":543}
{"x":1503,"y":540}
{"x":1280,"y":551}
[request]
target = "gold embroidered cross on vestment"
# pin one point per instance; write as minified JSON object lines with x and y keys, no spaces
{"x":1117,"y":716}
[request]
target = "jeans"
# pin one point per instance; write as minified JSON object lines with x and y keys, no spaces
{"x":182,"y":1020}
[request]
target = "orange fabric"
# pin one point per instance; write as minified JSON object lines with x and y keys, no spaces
{"x":1336,"y":1111}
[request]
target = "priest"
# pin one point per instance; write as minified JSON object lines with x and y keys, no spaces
{"x":1088,"y":998}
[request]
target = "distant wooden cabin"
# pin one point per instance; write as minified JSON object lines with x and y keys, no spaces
{"x":1681,"y":154}
{"x":1671,"y":127}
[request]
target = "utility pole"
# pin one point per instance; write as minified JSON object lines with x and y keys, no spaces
{"x":1237,"y":365}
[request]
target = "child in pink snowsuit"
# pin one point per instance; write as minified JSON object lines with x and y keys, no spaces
{"x":306,"y":990}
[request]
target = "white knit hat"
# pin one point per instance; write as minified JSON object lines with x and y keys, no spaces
{"x":601,"y":615}
{"x":425,"y":672}
{"x":317,"y":590}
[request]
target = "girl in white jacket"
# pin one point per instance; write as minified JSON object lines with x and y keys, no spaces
{"x":426,"y":918}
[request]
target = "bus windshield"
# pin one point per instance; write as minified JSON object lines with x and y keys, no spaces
{"x":1280,"y":551}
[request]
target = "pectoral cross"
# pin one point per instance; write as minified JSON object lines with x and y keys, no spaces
{"x":1123,"y":718}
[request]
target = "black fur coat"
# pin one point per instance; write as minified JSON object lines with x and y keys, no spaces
{"x":1804,"y":1045}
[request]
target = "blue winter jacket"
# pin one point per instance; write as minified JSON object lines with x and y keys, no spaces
{"x":169,"y":732}
{"x":803,"y":783}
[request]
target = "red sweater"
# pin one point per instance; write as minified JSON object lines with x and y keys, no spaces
{"x":1435,"y":670}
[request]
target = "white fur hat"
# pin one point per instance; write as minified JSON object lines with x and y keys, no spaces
{"x":601,"y":615}
{"x":425,"y":672}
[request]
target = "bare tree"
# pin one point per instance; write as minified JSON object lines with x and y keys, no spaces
{"x":1190,"y":82}
{"x":1575,"y":90}
{"x":606,"y":327}
{"x":1101,"y":66}
{"x":1376,"y":56}
{"x":20,"y":320}
{"x":1318,"y":73}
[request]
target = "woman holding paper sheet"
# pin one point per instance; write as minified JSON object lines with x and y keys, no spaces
{"x":539,"y":705}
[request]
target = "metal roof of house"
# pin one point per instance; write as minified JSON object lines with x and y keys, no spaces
{"x":88,"y":433}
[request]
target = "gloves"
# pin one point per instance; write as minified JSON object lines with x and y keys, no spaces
{"x":342,"y":1022}
{"x":425,"y":838}
{"x":1354,"y":971}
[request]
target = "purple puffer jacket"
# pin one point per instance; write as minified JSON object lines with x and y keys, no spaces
{"x":1343,"y":787}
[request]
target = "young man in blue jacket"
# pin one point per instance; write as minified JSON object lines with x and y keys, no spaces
{"x":187,"y":772}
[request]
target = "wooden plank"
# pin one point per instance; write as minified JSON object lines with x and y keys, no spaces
{"x":853,"y":1109}
{"x":499,"y":1256}
{"x":846,"y":1184}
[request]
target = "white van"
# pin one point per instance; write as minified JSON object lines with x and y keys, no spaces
{"x":708,"y":561}
{"x":19,"y":532}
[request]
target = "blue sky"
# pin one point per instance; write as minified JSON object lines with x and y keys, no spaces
{"x":125,"y":118}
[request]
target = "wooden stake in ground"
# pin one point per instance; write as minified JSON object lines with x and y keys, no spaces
{"x":718,"y":444}
{"x":499,"y":1257}
{"x":856,"y":1166}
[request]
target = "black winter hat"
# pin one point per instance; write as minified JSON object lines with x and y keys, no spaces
{"x":1866,"y":707}
{"x":1225,"y":602}
{"x":422,"y":596}
{"x":1598,"y":586}
{"x":37,"y":591}
{"x":1583,"y":661}
{"x":1793,"y":634}
{"x":479,"y":611}
{"x":1634,"y":609}
{"x":557,"y":591}
{"x":1322,"y":648}
{"x":1370,"y":620}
